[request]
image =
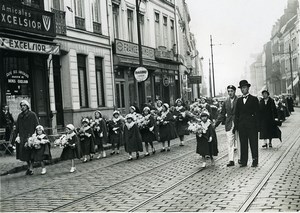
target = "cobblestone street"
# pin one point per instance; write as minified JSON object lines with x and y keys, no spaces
{"x":171,"y":181}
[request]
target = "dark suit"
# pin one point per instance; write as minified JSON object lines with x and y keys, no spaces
{"x":247,"y":123}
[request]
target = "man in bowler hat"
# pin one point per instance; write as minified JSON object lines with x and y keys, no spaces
{"x":246,"y":122}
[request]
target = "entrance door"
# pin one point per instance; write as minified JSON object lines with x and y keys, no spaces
{"x":120,"y":95}
{"x":58,"y":92}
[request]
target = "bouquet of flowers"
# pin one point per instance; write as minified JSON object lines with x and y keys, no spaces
{"x":196,"y":128}
{"x":161,"y":119}
{"x":141,"y":121}
{"x":62,"y":141}
{"x":35,"y":142}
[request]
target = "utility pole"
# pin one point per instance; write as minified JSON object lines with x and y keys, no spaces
{"x":210,"y":86}
{"x":212,"y":66}
{"x":291,"y":67}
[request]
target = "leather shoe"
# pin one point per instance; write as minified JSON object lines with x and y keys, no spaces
{"x":239,"y":161}
{"x":243,"y":165}
{"x":254,"y":165}
{"x":270,"y":145}
{"x":231,"y":163}
{"x":264,"y":146}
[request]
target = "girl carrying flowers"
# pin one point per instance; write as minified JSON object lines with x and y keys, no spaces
{"x":71,"y":146}
{"x":147,"y":130}
{"x":99,"y":127}
{"x":180,"y":121}
{"x":115,"y":130}
{"x":166,"y":127}
{"x":87,"y":143}
{"x":40,"y":145}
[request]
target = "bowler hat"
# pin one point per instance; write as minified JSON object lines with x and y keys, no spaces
{"x":244,"y":83}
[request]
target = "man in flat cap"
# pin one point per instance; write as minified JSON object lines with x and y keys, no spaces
{"x":226,"y":117}
{"x":246,"y":122}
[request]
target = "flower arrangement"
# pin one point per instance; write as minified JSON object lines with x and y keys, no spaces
{"x":161,"y":119}
{"x":196,"y":128}
{"x":35,"y":141}
{"x":62,"y":141}
{"x":141,"y":121}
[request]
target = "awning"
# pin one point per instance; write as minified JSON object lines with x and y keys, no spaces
{"x":296,"y":80}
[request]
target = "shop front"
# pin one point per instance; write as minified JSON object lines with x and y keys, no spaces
{"x":26,"y":36}
{"x":128,"y":90}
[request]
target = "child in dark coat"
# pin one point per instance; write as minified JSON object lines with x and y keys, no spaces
{"x":115,"y":131}
{"x":147,"y":132}
{"x":100,"y":131}
{"x":132,"y":137}
{"x":181,"y":121}
{"x":87,"y":140}
{"x":206,"y":141}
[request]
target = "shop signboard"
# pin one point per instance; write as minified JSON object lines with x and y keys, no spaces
{"x":15,"y":16}
{"x":26,"y":46}
{"x":162,"y":53}
{"x":17,"y":82}
{"x":141,"y":74}
{"x":195,"y":79}
{"x":131,"y":49}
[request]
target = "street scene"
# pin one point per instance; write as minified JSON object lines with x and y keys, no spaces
{"x":149,"y":106}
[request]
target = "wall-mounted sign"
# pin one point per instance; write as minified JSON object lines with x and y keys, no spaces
{"x":195,"y":79}
{"x":19,"y":45}
{"x":141,"y":74}
{"x":18,"y":17}
{"x":17,"y":82}
{"x":166,"y":81}
{"x":131,"y":49}
{"x":162,"y":53}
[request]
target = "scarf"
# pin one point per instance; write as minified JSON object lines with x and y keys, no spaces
{"x":129,"y":125}
{"x":205,"y":125}
{"x":116,"y":119}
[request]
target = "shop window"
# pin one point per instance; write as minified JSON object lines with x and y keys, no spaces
{"x":82,"y":79}
{"x":130,"y":25}
{"x":115,"y":8}
{"x":120,"y":94}
{"x":99,"y":80}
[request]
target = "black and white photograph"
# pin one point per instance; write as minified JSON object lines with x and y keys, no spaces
{"x":149,"y":106}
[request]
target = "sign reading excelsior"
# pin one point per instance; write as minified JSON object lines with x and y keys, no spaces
{"x":26,"y":19}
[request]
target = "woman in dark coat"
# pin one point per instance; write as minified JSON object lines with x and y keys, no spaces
{"x":100,"y":131}
{"x":181,"y":121}
{"x":132,"y":137}
{"x":87,"y":140}
{"x":147,"y":132}
{"x":26,"y":124}
{"x":268,"y":114}
{"x":166,"y":127}
{"x":115,"y":132}
{"x":207,"y":141}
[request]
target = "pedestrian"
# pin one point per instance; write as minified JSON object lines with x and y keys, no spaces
{"x":71,"y":149}
{"x":166,"y":127}
{"x":100,"y":132}
{"x":159,"y":104}
{"x":205,"y":146}
{"x":279,"y":108}
{"x":115,"y":130}
{"x":41,"y":147}
{"x":132,"y":110}
{"x":147,"y":131}
{"x":132,"y":137}
{"x":247,"y":124}
{"x":27,"y":121}
{"x":87,"y":140}
{"x":268,"y":114}
{"x":205,"y":105}
{"x":226,"y":117}
{"x":181,"y":121}
{"x":6,"y":121}
{"x":290,"y":102}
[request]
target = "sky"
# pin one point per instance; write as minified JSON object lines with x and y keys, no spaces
{"x":246,"y":23}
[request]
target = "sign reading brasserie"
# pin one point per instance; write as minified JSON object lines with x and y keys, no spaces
{"x":131,"y":49}
{"x":26,"y":19}
{"x":20,"y":45}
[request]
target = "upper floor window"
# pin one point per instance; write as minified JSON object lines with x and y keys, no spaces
{"x":79,"y":10}
{"x":165,"y":30}
{"x":58,"y":4}
{"x":142,"y":28}
{"x":130,"y":25}
{"x":157,"y":29}
{"x":96,"y":11}
{"x":34,"y":3}
{"x":172,"y":29}
{"x":115,"y":9}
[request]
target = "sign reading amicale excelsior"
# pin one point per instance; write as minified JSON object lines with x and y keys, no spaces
{"x":23,"y":18}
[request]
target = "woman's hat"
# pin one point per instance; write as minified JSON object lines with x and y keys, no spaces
{"x":204,"y":113}
{"x":98,"y":111}
{"x":159,"y":101}
{"x":85,"y":120}
{"x":146,"y":109}
{"x":24,"y":102}
{"x":166,"y":105}
{"x":71,"y":127}
{"x":203,"y":98}
{"x":116,"y":112}
{"x":129,"y":116}
{"x":39,"y":127}
{"x":244,"y":83}
{"x":265,"y":91}
{"x":178,"y":100}
{"x":133,"y":107}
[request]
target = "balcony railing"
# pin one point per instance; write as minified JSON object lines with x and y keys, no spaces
{"x":60,"y":19}
{"x":79,"y":23}
{"x":97,"y":28}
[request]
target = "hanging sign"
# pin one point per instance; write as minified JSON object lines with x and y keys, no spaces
{"x":141,"y":74}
